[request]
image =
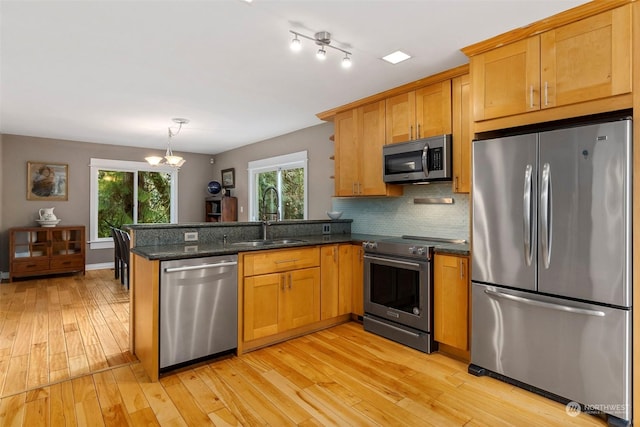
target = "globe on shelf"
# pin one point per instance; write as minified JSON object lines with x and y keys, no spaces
{"x":214,"y":187}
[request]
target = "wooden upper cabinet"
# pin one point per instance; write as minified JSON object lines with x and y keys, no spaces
{"x":462,"y":134}
{"x":433,"y":109}
{"x":586,"y":60}
{"x":359,"y":138}
{"x":347,"y":153}
{"x":419,"y":114}
{"x":506,"y":80}
{"x":400,"y":117}
{"x":583,"y":61}
{"x":371,"y":125}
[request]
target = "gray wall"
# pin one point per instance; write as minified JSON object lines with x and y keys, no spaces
{"x":17,"y":211}
{"x":314,"y":139}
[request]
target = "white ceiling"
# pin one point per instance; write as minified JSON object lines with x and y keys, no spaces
{"x":116,"y":72}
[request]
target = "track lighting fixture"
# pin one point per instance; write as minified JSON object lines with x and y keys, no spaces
{"x":322,"y":39}
{"x":169,"y":158}
{"x":346,"y":61}
{"x":296,"y":45}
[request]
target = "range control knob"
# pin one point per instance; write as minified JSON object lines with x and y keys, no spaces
{"x":412,"y":250}
{"x":422,"y":251}
{"x":369,"y":245}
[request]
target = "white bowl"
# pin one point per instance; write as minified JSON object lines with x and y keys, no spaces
{"x":334,"y":214}
{"x":47,"y":222}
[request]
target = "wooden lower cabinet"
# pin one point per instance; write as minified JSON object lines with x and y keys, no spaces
{"x":280,"y":291}
{"x":277,"y":302}
{"x":451,"y":300}
{"x":290,"y":292}
{"x":357,"y":283}
{"x":336,"y":280}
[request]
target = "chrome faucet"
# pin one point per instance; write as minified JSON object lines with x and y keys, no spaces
{"x":265,"y":222}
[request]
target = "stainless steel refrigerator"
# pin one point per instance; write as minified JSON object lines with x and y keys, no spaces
{"x":551,"y":272}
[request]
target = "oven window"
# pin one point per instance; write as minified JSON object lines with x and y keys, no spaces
{"x":395,"y":287}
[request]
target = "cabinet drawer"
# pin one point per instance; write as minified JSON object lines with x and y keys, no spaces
{"x":29,"y":266}
{"x":67,"y":262}
{"x":274,"y":261}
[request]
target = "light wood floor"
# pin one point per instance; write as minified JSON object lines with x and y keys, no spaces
{"x":340,"y":376}
{"x":53,"y":329}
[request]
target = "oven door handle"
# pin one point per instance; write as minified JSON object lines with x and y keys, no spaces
{"x":392,"y":261}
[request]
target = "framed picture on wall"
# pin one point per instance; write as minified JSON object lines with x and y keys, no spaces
{"x":47,"y":181}
{"x":229,"y":178}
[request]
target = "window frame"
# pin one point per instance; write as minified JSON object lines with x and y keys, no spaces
{"x":97,"y":165}
{"x":277,"y":163}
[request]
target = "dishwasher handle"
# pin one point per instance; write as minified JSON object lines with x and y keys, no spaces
{"x":200,"y":267}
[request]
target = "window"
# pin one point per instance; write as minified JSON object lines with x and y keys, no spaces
{"x":125,"y":192}
{"x":287,"y":176}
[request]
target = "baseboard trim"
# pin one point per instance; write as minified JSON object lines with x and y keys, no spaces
{"x":99,"y":266}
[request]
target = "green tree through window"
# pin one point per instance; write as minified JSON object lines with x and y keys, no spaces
{"x":124,"y":192}
{"x":288,"y":175}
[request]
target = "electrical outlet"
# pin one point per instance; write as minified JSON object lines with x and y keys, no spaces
{"x":326,"y":228}
{"x":191,"y":236}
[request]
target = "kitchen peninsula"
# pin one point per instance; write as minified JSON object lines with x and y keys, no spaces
{"x":297,"y":282}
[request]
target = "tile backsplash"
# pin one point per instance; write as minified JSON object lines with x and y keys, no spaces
{"x":397,"y":216}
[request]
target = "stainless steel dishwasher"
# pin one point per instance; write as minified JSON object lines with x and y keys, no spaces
{"x":198,"y":308}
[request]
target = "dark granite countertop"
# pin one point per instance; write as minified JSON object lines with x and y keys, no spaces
{"x":453,"y":249}
{"x":202,"y":249}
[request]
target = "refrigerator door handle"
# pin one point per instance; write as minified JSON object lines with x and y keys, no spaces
{"x":425,"y":163}
{"x":527,"y":229}
{"x":536,"y":303}
{"x":545,"y":210}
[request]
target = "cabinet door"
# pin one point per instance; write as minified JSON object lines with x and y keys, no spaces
{"x":357,"y":282}
{"x":347,"y":153}
{"x":588,"y":59}
{"x":400,"y":118}
{"x":433,"y":110}
{"x":262,"y":305}
{"x":302,"y":298}
{"x":329,"y":281}
{"x":462,"y":134}
{"x":371,"y":125}
{"x":345,"y":278}
{"x":506,"y":80}
{"x":451,"y":300}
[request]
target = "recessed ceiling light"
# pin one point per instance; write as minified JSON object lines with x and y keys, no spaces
{"x":395,"y":57}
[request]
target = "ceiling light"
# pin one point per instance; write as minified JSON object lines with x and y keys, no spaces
{"x":396,"y":57}
{"x":169,"y":158}
{"x":346,"y":61}
{"x":322,"y":39}
{"x":296,"y":45}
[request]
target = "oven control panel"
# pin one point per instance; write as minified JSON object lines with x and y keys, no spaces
{"x":394,"y":248}
{"x":418,"y":250}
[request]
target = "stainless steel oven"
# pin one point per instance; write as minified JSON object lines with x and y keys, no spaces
{"x":398,"y":292}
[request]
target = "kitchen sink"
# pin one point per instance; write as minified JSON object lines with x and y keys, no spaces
{"x":270,"y":242}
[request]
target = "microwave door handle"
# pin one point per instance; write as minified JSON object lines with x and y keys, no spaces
{"x":425,"y":155}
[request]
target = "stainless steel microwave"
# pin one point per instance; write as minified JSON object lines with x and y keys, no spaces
{"x":422,"y":160}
